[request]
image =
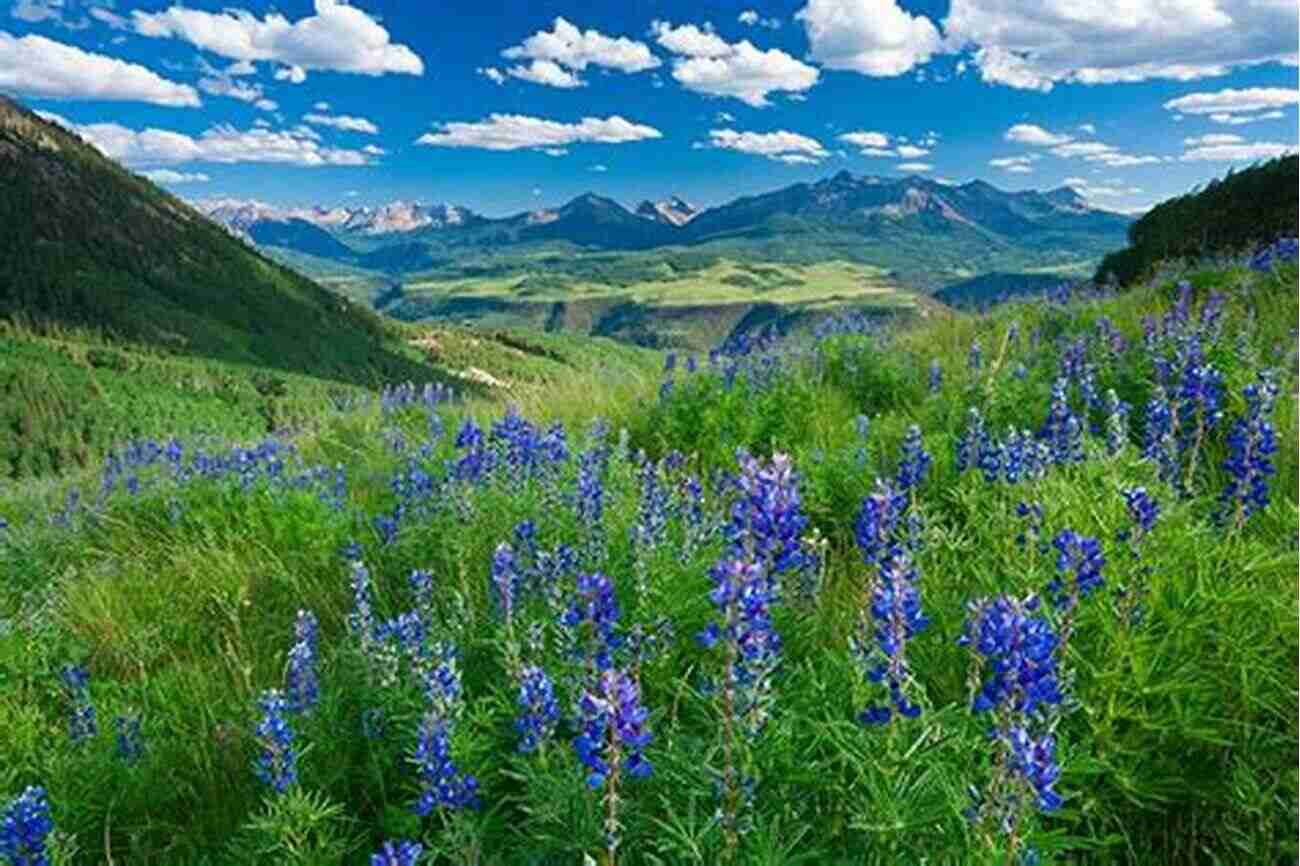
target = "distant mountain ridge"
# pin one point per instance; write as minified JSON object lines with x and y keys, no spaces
{"x":896,"y":219}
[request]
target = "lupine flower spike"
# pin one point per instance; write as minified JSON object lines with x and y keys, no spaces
{"x":25,"y":826}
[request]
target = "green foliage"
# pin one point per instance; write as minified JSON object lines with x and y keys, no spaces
{"x":1182,"y":749}
{"x":1233,"y":215}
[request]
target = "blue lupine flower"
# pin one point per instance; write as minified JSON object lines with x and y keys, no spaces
{"x":421,"y":583}
{"x":1080,"y":557}
{"x":277,"y":763}
{"x":974,"y":359}
{"x":652,"y":510}
{"x":878,"y":523}
{"x":1117,"y":412}
{"x":936,"y":376}
{"x":880,"y":644}
{"x":767,"y":519}
{"x":362,"y":618}
{"x":1158,"y":439}
{"x":303,"y":687}
{"x":1034,"y":760}
{"x":613,"y":721}
{"x":401,"y":853}
{"x":130,"y":746}
{"x":743,"y":595}
{"x":25,"y":827}
{"x":82,"y":723}
{"x":1062,"y":430}
{"x":1251,"y":445}
{"x":1142,"y":509}
{"x":968,"y":443}
{"x":1268,"y":257}
{"x":914,"y":463}
{"x":597,"y":605}
{"x":539,"y":710}
{"x":505,"y":580}
{"x":442,"y":784}
{"x":1019,"y":647}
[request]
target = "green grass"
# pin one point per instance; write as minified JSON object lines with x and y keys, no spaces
{"x":181,"y":601}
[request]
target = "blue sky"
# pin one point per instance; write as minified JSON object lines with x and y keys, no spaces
{"x":503,"y":106}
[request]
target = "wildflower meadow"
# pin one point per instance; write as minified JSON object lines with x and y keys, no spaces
{"x":1017,"y":588}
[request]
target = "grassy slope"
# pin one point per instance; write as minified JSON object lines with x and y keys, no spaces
{"x":1183,"y":750}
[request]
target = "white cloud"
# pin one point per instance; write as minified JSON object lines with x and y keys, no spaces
{"x":724,"y":117}
{"x":546,"y":72}
{"x":166,"y":175}
{"x":1089,"y":190}
{"x":320,"y":106}
{"x":873,"y":37}
{"x":555,"y":151}
{"x":492,"y":74}
{"x":266,"y":104}
{"x":222,"y":82}
{"x":709,"y":65}
{"x":338,"y":37}
{"x":112,"y":20}
{"x":36,"y":66}
{"x":863,"y":138}
{"x":345,"y":122}
{"x":782,"y":145}
{"x":600,"y":168}
{"x":1213,"y":138}
{"x":915,"y":166}
{"x":555,"y":55}
{"x":1239,"y":119}
{"x":1232,"y":101}
{"x":374,"y":150}
{"x":1236,"y":151}
{"x":1016,"y":164}
{"x":517,"y":131}
{"x":1029,"y":133}
{"x":1087,"y":128}
{"x":751,"y":18}
{"x":911,"y":151}
{"x":1035,"y":44}
{"x":291,"y":74}
{"x":221,"y":144}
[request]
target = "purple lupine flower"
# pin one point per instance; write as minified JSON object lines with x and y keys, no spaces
{"x":442,"y":784}
{"x":1117,"y":412}
{"x":1280,"y":251}
{"x":968,"y":443}
{"x":505,"y":580}
{"x":277,"y":762}
{"x":1160,"y":435}
{"x":1019,"y":646}
{"x":539,"y":712}
{"x":25,"y":827}
{"x":879,"y":523}
{"x":914,"y":463}
{"x":1034,"y":760}
{"x":743,"y":595}
{"x":362,"y":618}
{"x":421,"y":583}
{"x":130,"y":745}
{"x":936,"y":376}
{"x":401,"y":853}
{"x":974,"y":358}
{"x":880,"y":645}
{"x":1062,"y":430}
{"x":767,"y":519}
{"x":1251,"y":445}
{"x":1082,"y":559}
{"x":596,"y":605}
{"x":613,"y":722}
{"x":1142,"y":509}
{"x":82,"y":722}
{"x":303,"y":686}
{"x":652,"y":509}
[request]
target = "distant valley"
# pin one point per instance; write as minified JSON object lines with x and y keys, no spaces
{"x":910,"y":235}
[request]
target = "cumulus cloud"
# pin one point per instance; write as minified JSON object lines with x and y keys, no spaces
{"x":167,"y":175}
{"x":491,"y":73}
{"x":221,"y":144}
{"x":881,"y":144}
{"x":862,"y":138}
{"x":552,"y":57}
{"x":873,"y":37}
{"x":1090,"y":190}
{"x":1239,"y":119}
{"x":600,"y":168}
{"x":790,"y":148}
{"x":374,"y":150}
{"x":36,"y":66}
{"x":708,"y":64}
{"x":517,"y":132}
{"x":751,"y":18}
{"x":1087,"y":128}
{"x":1231,"y":102}
{"x":915,"y":166}
{"x":338,"y":37}
{"x":911,"y":151}
{"x":345,"y":122}
{"x":291,"y":74}
{"x":1023,"y":164}
{"x":1034,"y":44}
{"x":1212,"y":138}
{"x":225,"y":82}
{"x":1029,"y":133}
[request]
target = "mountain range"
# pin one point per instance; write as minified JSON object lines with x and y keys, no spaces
{"x":893,"y":222}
